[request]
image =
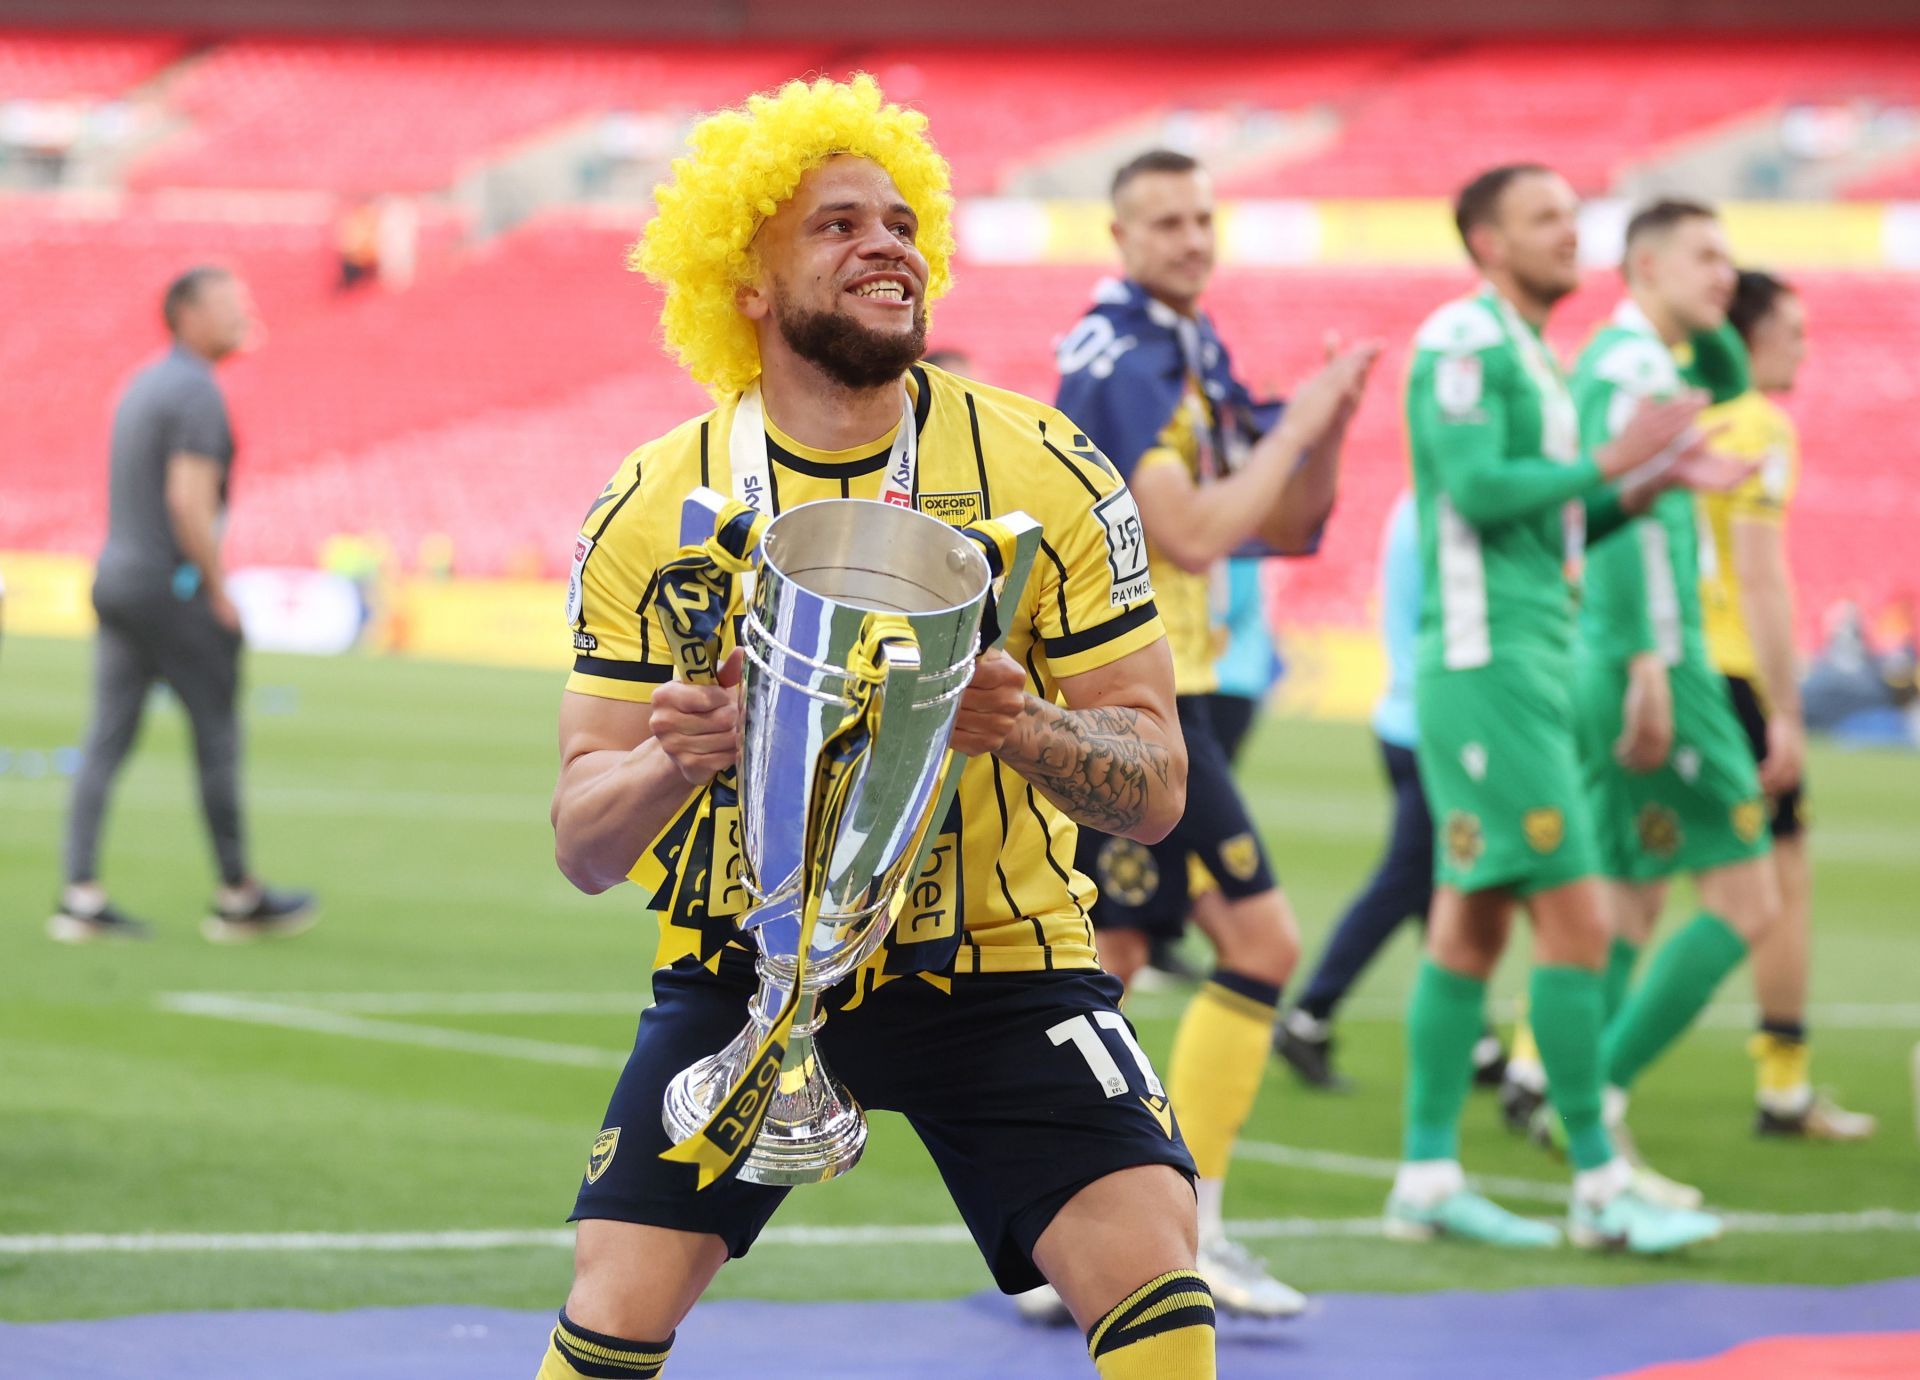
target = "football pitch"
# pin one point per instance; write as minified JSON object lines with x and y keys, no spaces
{"x":396,"y":1108}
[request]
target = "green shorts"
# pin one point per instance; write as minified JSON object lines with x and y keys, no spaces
{"x":1502,"y":776}
{"x":1702,"y":809}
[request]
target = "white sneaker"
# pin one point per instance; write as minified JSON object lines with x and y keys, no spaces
{"x":1241,"y":1284}
{"x":1649,"y":1182}
{"x":1816,"y":1116}
{"x":1042,"y":1307}
{"x":1656,"y":1187}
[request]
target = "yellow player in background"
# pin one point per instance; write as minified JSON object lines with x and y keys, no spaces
{"x":1746,"y":599}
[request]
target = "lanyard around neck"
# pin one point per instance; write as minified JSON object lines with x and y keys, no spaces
{"x":751,"y":463}
{"x":748,"y":455}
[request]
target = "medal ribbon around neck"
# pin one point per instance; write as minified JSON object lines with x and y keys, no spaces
{"x":730,"y":1131}
{"x":752,"y":467}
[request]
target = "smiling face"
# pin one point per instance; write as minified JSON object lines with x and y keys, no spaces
{"x":1163,"y":224}
{"x":841,"y":283}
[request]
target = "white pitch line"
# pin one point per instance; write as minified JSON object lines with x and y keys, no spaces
{"x":1533,"y":1190}
{"x":144,"y":1243}
{"x":629,"y":1004}
{"x":256,"y":1012}
{"x":949,"y":1234}
{"x":1370,"y":1167}
{"x":1821,"y":1223}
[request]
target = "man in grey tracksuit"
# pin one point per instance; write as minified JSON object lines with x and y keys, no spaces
{"x":165,"y":614}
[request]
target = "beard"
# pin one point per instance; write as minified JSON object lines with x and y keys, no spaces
{"x":1545,"y":286}
{"x":847,"y":352}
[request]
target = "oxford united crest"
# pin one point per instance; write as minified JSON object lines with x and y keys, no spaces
{"x":1128,"y":873}
{"x":601,"y":1155}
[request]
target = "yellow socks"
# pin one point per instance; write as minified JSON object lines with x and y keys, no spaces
{"x":574,"y":1352}
{"x":1781,"y":1067}
{"x":1161,"y":1331}
{"x":1219,"y":1056}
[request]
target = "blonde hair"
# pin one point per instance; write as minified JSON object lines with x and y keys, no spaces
{"x":745,"y":162}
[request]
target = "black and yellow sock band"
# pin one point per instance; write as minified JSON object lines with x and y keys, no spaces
{"x":1177,"y":1299}
{"x":600,"y":1357}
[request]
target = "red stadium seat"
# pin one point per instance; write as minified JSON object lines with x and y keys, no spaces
{"x":362,"y":116}
{"x":1592,"y":109}
{"x":57,"y":66}
{"x":490,"y":399}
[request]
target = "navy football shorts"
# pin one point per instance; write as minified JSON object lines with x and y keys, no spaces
{"x":1789,"y":811}
{"x":1145,"y":887}
{"x":1024,"y":1087}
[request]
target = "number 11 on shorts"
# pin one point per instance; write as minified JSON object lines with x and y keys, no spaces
{"x":1100,"y":1061}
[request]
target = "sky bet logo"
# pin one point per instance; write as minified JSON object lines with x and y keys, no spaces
{"x":900,"y":480}
{"x":740,"y":1118}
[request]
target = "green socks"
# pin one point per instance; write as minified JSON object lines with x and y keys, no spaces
{"x":1565,"y":1005}
{"x":1444,"y":1020}
{"x":1622,"y":954}
{"x":1679,"y":981}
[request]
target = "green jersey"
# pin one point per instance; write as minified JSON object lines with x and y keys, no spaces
{"x":1499,"y":481}
{"x":1642,"y":588}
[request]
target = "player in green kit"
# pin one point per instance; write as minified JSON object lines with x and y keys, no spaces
{"x":1670,"y":778}
{"x":1506,"y":498}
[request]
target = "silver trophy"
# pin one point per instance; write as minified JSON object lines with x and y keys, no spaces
{"x":860,"y":638}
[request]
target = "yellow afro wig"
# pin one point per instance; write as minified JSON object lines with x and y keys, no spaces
{"x":745,"y":162}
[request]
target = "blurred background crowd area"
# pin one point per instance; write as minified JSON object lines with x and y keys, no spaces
{"x":453,"y":356}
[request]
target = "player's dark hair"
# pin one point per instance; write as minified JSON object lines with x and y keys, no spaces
{"x":1153,"y":161}
{"x":946,"y":357}
{"x":1479,"y":201}
{"x":1755,"y":295}
{"x":184,"y":291}
{"x":1663,"y":215}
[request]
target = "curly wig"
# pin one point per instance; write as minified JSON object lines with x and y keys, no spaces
{"x":744,"y":163}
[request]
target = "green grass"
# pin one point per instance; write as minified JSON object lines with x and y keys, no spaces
{"x":414,"y":797}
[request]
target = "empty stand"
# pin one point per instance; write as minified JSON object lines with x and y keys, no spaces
{"x":1589,"y":108}
{"x":361,"y":116}
{"x":83,"y":309}
{"x":491,"y":399}
{"x":993,"y":109}
{"x":1901,"y":182}
{"x":56,"y":66}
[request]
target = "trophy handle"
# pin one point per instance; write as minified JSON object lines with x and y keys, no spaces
{"x":700,"y":588}
{"x":1011,"y":544}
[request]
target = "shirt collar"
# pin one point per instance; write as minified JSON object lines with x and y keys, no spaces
{"x":1628,"y":316}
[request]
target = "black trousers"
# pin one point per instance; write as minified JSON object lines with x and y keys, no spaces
{"x":147,"y":634}
{"x":1401,"y":886}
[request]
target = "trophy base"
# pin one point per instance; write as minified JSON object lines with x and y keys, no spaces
{"x":813,"y":1132}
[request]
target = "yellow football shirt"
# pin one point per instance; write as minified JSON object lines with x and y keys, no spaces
{"x":1186,"y":600}
{"x":1757,"y":430}
{"x":1009,"y":899}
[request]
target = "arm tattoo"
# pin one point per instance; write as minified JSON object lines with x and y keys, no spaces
{"x":1093,"y":763}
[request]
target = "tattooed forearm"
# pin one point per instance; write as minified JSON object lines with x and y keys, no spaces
{"x":1096,"y":764}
